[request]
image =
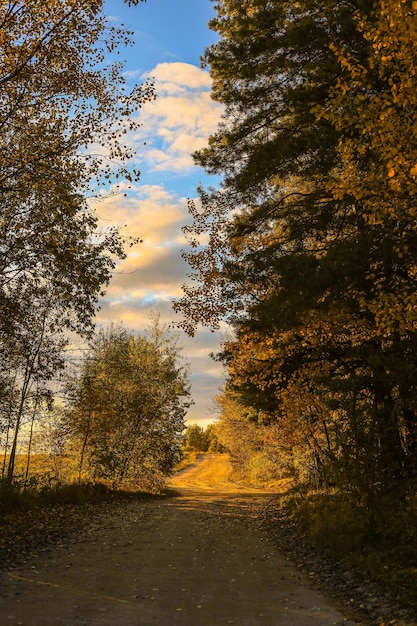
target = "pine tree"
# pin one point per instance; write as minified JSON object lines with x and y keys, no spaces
{"x":311,"y":230}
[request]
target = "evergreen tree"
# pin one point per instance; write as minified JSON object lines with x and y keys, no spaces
{"x":310,"y":231}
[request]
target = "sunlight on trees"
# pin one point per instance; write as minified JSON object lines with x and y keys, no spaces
{"x":64,"y":111}
{"x":307,"y":247}
{"x":199,"y":439}
{"x":126,"y":408}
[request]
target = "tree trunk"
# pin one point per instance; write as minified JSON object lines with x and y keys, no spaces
{"x":391,"y":459}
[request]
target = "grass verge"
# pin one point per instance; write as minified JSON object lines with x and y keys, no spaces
{"x":375,"y":541}
{"x":31,"y":520}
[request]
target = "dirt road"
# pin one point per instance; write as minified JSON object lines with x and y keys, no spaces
{"x":197,"y":559}
{"x":212,"y":475}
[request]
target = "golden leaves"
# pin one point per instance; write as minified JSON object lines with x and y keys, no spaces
{"x":57,"y":100}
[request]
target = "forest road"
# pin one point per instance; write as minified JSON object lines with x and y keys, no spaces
{"x":194,"y":560}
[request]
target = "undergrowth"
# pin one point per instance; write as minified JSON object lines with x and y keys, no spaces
{"x":15,"y":497}
{"x":376,"y":539}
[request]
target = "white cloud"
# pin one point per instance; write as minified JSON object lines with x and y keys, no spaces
{"x":180,"y":120}
{"x":183,"y":74}
{"x":150,"y":212}
{"x":152,"y":274}
{"x":173,"y":127}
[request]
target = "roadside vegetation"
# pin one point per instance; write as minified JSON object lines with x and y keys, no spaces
{"x":118,"y":425}
{"x":78,"y":406}
{"x":382,"y":553}
{"x":305,"y":247}
{"x":198,"y":440}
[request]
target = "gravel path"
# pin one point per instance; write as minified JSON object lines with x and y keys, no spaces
{"x":198,"y":559}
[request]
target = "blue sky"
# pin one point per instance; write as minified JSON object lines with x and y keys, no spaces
{"x":169,"y":38}
{"x":166,"y":30}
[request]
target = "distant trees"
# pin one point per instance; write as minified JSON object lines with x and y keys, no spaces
{"x":126,"y":407}
{"x":32,"y":361}
{"x":308,"y":240}
{"x":201,"y":439}
{"x":194,"y":438}
{"x":64,"y":111}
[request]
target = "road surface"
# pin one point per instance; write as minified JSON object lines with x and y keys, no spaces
{"x":212,"y":475}
{"x":194,"y":560}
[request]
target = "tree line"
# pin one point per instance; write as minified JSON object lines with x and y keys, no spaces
{"x":307,"y":246}
{"x":65,"y":109}
{"x":200,"y":439}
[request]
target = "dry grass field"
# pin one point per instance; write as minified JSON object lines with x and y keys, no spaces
{"x":43,"y":470}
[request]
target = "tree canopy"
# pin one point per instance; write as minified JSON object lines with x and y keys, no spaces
{"x":126,"y":407}
{"x":306,"y":246}
{"x":63,"y":114}
{"x":65,"y":108}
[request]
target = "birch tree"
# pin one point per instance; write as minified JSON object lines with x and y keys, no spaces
{"x":65,"y":109}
